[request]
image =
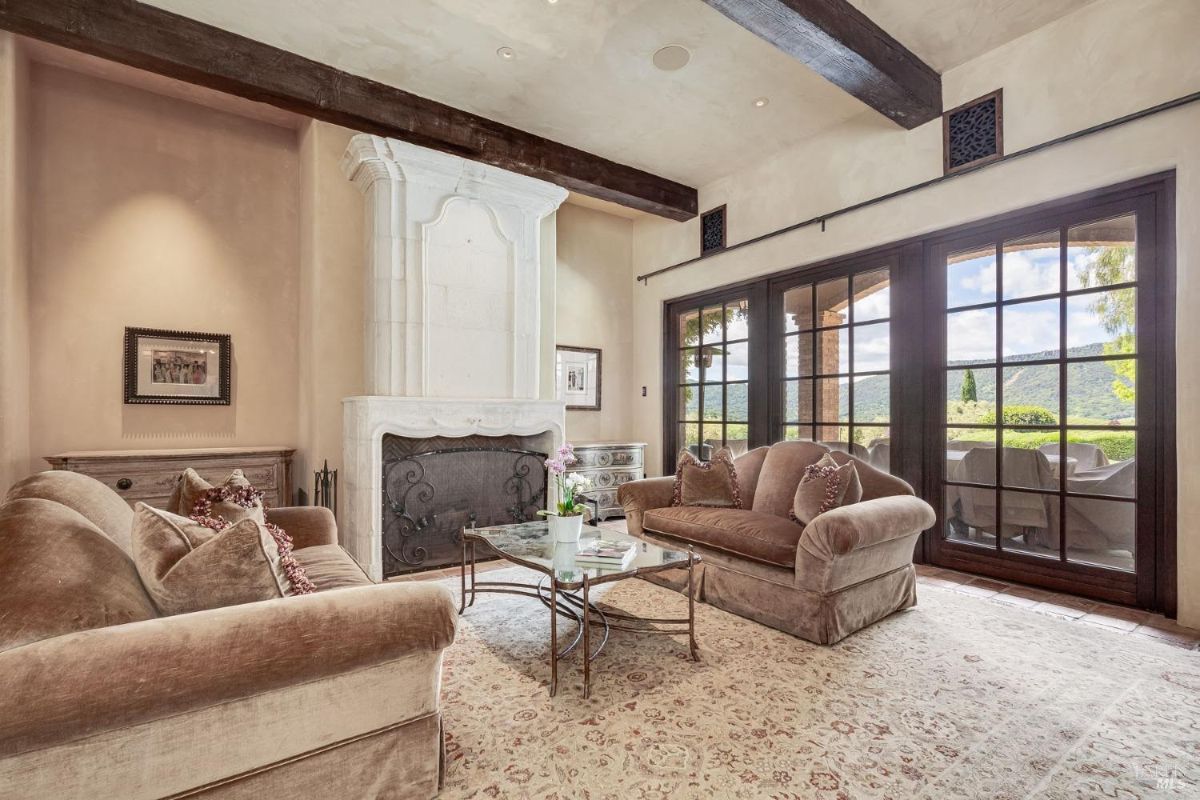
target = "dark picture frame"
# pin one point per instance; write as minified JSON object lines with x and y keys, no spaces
{"x":584,"y":365}
{"x":165,"y":367}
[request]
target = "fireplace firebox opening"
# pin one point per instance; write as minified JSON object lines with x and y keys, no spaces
{"x":434,"y":487}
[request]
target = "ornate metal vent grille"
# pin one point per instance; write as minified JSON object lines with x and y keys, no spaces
{"x":434,"y":488}
{"x":712,"y":230}
{"x":973,"y":133}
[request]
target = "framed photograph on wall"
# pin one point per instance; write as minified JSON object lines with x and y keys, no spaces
{"x":578,"y":377}
{"x":176,"y":367}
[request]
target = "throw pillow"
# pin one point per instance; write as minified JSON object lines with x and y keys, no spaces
{"x":825,"y":486}
{"x":711,"y":485}
{"x":233,"y":501}
{"x":191,"y":565}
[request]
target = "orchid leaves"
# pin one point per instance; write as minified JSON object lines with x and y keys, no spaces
{"x":570,"y":485}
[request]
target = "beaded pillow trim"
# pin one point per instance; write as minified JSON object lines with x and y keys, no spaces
{"x":833,"y":485}
{"x":246,"y":497}
{"x":723,"y":457}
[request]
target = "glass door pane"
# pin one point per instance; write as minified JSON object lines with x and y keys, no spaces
{"x":835,"y":381}
{"x":1040,"y":424}
{"x":712,"y":392}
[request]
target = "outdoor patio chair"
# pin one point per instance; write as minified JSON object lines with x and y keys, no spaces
{"x":1025,"y":513}
{"x":1087,"y":456}
{"x":853,"y":448}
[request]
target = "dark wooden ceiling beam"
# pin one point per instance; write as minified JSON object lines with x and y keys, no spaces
{"x":159,"y":41}
{"x":842,"y":44}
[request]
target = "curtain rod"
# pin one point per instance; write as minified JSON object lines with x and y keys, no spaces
{"x":821,"y":219}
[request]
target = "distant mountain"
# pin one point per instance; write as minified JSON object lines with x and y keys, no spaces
{"x":1090,"y":393}
{"x":1089,"y":387}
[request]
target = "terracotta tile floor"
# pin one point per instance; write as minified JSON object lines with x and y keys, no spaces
{"x":1064,"y":606}
{"x":1068,"y":607}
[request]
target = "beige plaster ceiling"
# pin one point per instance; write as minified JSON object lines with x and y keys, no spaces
{"x":947,"y":33}
{"x":582,"y":72}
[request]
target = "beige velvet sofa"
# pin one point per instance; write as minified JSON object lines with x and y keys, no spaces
{"x":848,"y":568}
{"x":332,"y":694}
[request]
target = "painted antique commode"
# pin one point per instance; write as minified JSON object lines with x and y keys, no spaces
{"x":608,"y":465}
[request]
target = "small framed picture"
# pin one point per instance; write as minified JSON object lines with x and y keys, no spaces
{"x":176,"y":367}
{"x":578,"y":377}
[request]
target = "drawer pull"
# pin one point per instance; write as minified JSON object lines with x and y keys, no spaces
{"x":124,"y":484}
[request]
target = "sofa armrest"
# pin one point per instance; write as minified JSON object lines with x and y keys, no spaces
{"x":309,"y":526}
{"x":67,"y":687}
{"x":638,"y":497}
{"x":862,"y":525}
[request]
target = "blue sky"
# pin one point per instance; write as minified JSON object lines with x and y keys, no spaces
{"x":1028,"y":327}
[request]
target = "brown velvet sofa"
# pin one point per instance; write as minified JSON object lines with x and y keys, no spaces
{"x":848,"y":568}
{"x":332,"y":694}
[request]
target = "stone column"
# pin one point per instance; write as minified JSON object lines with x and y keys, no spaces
{"x":826,"y":361}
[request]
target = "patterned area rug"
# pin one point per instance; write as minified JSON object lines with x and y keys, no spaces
{"x":960,"y":697}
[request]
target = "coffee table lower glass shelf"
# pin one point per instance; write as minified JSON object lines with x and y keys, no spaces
{"x":566,"y":585}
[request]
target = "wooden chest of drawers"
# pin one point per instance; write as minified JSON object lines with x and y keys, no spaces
{"x":608,"y":465}
{"x":149,"y":476}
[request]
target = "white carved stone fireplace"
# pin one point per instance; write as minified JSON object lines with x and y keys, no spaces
{"x":454,"y":335}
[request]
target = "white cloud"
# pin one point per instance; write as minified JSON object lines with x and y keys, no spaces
{"x":1083,"y":324}
{"x":970,"y":282}
{"x":1031,"y":327}
{"x":876,"y":305}
{"x":737,"y":362}
{"x":971,"y":335}
{"x":872,"y":347}
{"x":1028,"y":328}
{"x":1030,"y":273}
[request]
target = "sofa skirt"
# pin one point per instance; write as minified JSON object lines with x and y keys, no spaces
{"x":815,"y":617}
{"x":403,"y":762}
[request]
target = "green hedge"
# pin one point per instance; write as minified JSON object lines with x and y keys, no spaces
{"x":1117,"y":445}
{"x":1023,"y":415}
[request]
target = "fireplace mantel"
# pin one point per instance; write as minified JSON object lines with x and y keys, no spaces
{"x":369,"y":419}
{"x":454,"y":335}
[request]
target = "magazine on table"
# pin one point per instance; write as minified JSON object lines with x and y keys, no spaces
{"x":601,"y":551}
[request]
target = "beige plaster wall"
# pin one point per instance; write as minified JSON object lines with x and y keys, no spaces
{"x":594,"y":310}
{"x":179,"y":215}
{"x":1108,"y":59}
{"x":14,"y":284}
{"x":155,"y":212}
{"x":332,"y":294}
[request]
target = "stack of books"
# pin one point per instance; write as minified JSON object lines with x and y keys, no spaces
{"x":605,"y":553}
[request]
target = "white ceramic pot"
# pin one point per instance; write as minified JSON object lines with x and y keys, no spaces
{"x":566,"y":529}
{"x":564,"y":560}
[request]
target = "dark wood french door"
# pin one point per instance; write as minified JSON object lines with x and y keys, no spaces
{"x":831,"y":356}
{"x":714,"y":356}
{"x":1018,"y":372}
{"x":1044,"y":428}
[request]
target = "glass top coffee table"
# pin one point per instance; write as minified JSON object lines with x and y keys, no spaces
{"x":567,"y":582}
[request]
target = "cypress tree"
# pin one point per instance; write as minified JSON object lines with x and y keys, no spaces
{"x":968,"y":388}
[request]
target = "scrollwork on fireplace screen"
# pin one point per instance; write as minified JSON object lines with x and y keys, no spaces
{"x":429,"y":497}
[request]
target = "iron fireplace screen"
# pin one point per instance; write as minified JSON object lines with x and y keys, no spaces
{"x":430,"y":496}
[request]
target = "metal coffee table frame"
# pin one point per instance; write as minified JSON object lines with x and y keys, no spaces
{"x":560,"y":596}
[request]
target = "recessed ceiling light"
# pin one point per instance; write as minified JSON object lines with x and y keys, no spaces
{"x":672,"y":57}
{"x":762,"y":102}
{"x":507,"y":53}
{"x":552,"y":2}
